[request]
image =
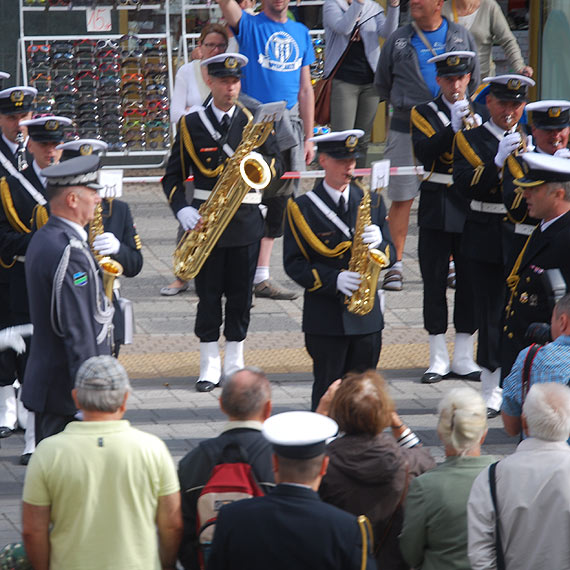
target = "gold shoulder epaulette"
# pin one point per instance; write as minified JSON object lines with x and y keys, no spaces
{"x":138,"y":244}
{"x":471,"y":156}
{"x":297,"y":221}
{"x":421,"y":123}
{"x":10,"y":210}
{"x":40,"y":216}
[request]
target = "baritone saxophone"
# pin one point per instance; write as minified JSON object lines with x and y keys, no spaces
{"x":110,"y":268}
{"x":246,"y":169}
{"x":367,"y":262}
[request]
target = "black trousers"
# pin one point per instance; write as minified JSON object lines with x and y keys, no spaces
{"x":8,"y":358}
{"x":489,"y":288}
{"x":228,"y":272}
{"x":434,"y":249}
{"x":334,"y":356}
{"x":50,"y":424}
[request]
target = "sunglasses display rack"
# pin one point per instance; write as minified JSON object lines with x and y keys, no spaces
{"x":115,"y":88}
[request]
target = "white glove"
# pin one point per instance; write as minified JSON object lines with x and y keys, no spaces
{"x":529,"y":144}
{"x":506,"y":147}
{"x":13,"y":338}
{"x":188,"y":217}
{"x":348,"y":282}
{"x":459,"y":110}
{"x":372,"y":235}
{"x":478,"y":119}
{"x":563,"y":153}
{"x":106,"y":244}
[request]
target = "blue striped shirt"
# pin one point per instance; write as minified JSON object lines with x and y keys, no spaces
{"x":551,"y":364}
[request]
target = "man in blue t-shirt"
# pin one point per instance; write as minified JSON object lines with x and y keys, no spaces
{"x":280,"y":53}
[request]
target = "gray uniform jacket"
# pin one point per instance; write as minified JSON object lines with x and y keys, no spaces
{"x":398,"y":76}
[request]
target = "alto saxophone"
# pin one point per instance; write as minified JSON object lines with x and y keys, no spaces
{"x":243,"y":171}
{"x":367,"y":262}
{"x":110,"y":268}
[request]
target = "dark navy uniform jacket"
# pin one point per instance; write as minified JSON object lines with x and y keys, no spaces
{"x":20,"y":215}
{"x":531,"y":301}
{"x":324,"y":310}
{"x":196,"y":152}
{"x":441,"y":207}
{"x":69,"y":331}
{"x":288,"y":528}
{"x":477,"y":178}
{"x":118,"y":220}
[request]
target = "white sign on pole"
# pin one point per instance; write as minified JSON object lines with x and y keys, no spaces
{"x":112,"y":182}
{"x":380,"y":174}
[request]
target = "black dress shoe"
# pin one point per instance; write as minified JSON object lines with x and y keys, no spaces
{"x":5,"y":432}
{"x":471,"y":377}
{"x":25,"y":458}
{"x":431,"y":378}
{"x":205,"y":386}
{"x":491,"y":413}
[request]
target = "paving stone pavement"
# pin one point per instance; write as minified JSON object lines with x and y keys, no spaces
{"x":163,"y":359}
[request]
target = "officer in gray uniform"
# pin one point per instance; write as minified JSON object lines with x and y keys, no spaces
{"x":71,"y":315}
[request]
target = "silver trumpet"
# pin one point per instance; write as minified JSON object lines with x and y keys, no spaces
{"x":21,"y":152}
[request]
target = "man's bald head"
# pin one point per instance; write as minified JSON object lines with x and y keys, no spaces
{"x":246,"y":395}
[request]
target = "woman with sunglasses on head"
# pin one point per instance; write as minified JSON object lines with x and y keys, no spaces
{"x":190,"y":90}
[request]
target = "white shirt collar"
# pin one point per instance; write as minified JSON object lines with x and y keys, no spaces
{"x":496,"y":130}
{"x":248,"y":424}
{"x":544,"y":225}
{"x":449,"y":105}
{"x":336,"y":194}
{"x":12,"y":145}
{"x":540,"y":151}
{"x":79,"y":229}
{"x":37,"y":170}
{"x":219,"y":113}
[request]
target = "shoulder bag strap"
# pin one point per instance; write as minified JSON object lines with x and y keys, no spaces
{"x":493,"y":489}
{"x":422,"y":37}
{"x":353,"y":38}
{"x":529,"y":359}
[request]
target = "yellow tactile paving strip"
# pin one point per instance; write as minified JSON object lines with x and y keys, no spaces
{"x":273,"y":361}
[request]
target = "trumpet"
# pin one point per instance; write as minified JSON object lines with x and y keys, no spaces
{"x":21,"y":152}
{"x":517,"y":129}
{"x":469,"y":121}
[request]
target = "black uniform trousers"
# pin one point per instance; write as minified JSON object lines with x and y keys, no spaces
{"x":489,"y":290}
{"x":334,"y":356}
{"x":228,"y":272}
{"x":434,"y":249}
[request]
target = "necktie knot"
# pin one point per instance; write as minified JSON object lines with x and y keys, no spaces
{"x":225,"y":122}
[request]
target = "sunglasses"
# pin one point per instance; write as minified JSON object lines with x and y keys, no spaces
{"x":87,"y":108}
{"x":150,"y":68}
{"x":64,"y":79}
{"x":62,"y":55}
{"x":157,"y":89}
{"x":109,"y":67}
{"x":34,"y":48}
{"x":84,"y":46}
{"x":135,"y":145}
{"x":158,"y":104}
{"x":43,"y":108}
{"x":65,"y":108}
{"x":134,"y":110}
{"x":101,"y":44}
{"x":65,"y":88}
{"x":107,"y":54}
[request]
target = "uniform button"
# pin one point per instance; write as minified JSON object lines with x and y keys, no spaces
{"x":505,"y":328}
{"x":505,"y":219}
{"x":512,"y":313}
{"x":528,"y":279}
{"x":510,"y":335}
{"x":341,"y":255}
{"x":208,"y":159}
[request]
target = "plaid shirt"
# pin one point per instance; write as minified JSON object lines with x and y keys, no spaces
{"x":551,"y":364}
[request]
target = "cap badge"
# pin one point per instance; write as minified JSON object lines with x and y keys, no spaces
{"x":51,"y":125}
{"x":514,"y":84}
{"x":351,"y":141}
{"x":453,"y":60}
{"x":17,"y":97}
{"x":554,"y":112}
{"x":85,"y":149}
{"x":230,"y":63}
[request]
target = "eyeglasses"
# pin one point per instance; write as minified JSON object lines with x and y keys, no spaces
{"x":209,"y":45}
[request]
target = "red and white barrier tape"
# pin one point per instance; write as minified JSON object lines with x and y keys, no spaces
{"x":394,"y":171}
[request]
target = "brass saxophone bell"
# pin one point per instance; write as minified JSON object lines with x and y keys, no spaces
{"x":111,"y":269}
{"x":255,"y":171}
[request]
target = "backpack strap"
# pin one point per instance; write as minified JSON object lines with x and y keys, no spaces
{"x":493,"y":489}
{"x":528,"y":361}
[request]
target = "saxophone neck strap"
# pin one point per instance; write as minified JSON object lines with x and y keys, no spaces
{"x":329,"y":214}
{"x":37,"y":196}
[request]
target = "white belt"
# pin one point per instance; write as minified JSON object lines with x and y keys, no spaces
{"x":524,"y":229}
{"x":250,"y":197}
{"x":439,"y":178}
{"x":20,"y":258}
{"x":488,"y":207}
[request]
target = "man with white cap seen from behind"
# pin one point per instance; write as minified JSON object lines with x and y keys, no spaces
{"x":290,"y":527}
